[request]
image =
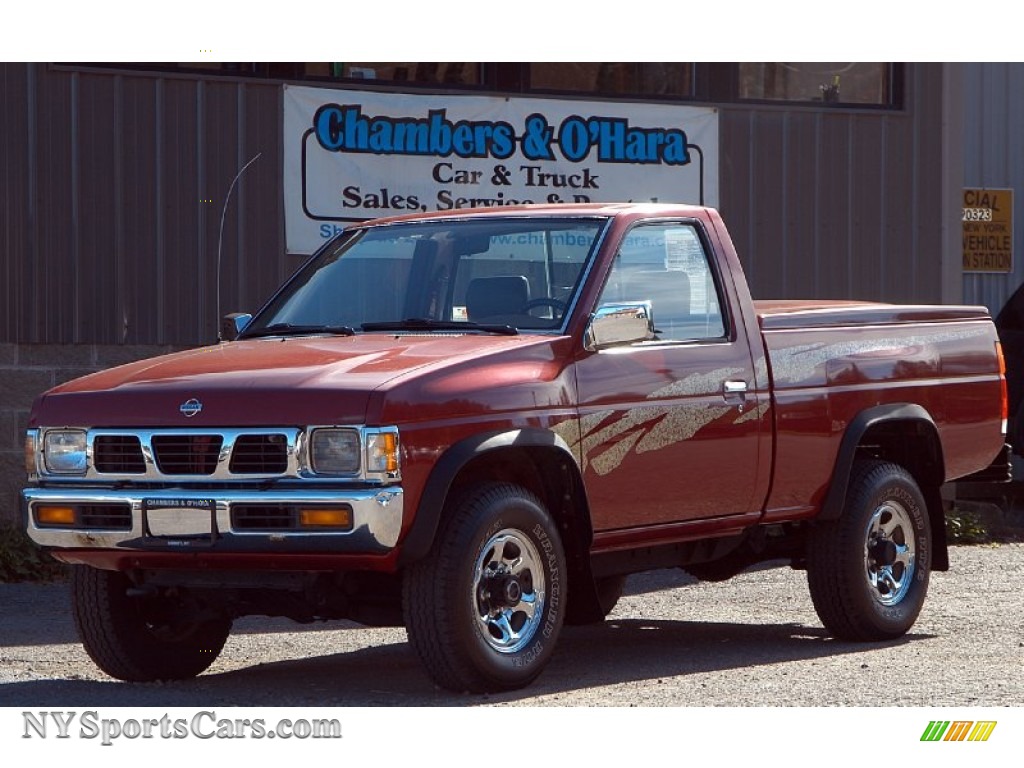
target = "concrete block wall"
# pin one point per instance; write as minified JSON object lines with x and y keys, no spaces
{"x":27,"y":370}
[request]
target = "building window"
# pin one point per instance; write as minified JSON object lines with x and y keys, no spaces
{"x":670,"y":80}
{"x":437,"y":74}
{"x":842,"y":84}
{"x":830,"y":83}
{"x":423,"y":73}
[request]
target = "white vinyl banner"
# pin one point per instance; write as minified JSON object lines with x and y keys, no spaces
{"x":355,"y":155}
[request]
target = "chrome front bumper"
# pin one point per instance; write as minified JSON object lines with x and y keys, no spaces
{"x":376,"y":520}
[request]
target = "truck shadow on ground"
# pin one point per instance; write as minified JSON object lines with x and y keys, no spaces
{"x":615,"y":652}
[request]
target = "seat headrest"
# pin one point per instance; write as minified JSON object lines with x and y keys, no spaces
{"x":500,"y":295}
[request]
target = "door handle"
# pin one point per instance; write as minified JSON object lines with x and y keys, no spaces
{"x":735,"y":391}
{"x":734,"y":387}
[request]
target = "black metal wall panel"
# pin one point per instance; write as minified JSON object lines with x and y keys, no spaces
{"x":55,"y":258}
{"x":112,"y":190}
{"x":801,"y":254}
{"x":769,"y":166}
{"x":261,"y":203}
{"x":923,"y":158}
{"x":183,"y":275}
{"x":834,"y":276}
{"x":867,"y":213}
{"x":895,"y":205}
{"x":95,"y":171}
{"x":140,"y":253}
{"x":838,"y":204}
{"x":736,"y":188}
{"x":15,"y":215}
{"x":113,"y":185}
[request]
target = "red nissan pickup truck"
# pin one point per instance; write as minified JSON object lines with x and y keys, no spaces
{"x":477,"y":424}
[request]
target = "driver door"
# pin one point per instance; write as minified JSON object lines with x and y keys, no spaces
{"x":670,"y":426}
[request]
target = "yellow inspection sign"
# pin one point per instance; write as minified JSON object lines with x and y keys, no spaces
{"x":988,"y":230}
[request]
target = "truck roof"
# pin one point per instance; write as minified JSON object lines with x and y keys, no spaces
{"x":552,"y":209}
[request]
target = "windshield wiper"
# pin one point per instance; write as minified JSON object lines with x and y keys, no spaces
{"x":288,"y":329}
{"x":425,"y":324}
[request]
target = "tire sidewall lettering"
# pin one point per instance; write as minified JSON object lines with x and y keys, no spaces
{"x":530,"y":521}
{"x":896,"y":491}
{"x":919,"y":516}
{"x":845,"y":578}
{"x":553,"y":574}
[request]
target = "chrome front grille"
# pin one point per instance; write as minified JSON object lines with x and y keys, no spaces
{"x":118,"y":455}
{"x":220,"y":454}
{"x":258,"y":454}
{"x":187,"y":454}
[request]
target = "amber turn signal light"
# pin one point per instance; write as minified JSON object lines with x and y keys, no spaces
{"x":326,"y":518}
{"x":389,"y":447}
{"x":48,"y":515}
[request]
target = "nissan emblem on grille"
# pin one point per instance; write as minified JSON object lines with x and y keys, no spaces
{"x":190,"y":408}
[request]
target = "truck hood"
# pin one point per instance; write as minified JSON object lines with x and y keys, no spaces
{"x":274,"y":381}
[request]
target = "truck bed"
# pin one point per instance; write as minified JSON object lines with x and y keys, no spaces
{"x":832,"y":362}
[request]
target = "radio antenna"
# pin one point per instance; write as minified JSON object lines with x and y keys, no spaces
{"x":220,"y":236}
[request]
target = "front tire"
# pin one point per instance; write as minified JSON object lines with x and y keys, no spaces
{"x":484,"y":608}
{"x":868,"y":571}
{"x":144,"y":638}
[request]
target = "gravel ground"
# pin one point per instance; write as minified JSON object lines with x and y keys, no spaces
{"x":751,"y":641}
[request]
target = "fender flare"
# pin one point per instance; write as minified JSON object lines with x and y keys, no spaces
{"x":855,"y":431}
{"x":420,"y":537}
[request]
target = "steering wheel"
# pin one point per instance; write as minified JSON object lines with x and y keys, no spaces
{"x":558,"y":307}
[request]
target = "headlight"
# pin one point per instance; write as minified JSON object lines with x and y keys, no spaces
{"x":335,"y":451}
{"x":64,"y":451}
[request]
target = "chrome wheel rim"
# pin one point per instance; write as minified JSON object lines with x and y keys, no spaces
{"x":889,"y":553}
{"x":508,"y":591}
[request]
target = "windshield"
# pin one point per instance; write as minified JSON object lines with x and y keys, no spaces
{"x":472,"y":274}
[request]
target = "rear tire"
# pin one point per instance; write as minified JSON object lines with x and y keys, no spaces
{"x":141,"y":639}
{"x":868,"y":571}
{"x":484,"y":608}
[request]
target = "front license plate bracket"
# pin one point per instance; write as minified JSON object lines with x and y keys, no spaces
{"x":179,"y":523}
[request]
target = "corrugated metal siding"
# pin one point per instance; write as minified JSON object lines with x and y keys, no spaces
{"x":15,"y":214}
{"x":994,"y":157}
{"x":838,"y":204}
{"x":106,"y":238}
{"x":105,"y":235}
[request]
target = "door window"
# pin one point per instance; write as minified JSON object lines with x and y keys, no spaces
{"x":666,"y":265}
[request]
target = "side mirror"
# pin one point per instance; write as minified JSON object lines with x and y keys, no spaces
{"x":233,"y":324}
{"x":622,"y":323}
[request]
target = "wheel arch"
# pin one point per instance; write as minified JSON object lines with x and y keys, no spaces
{"x":535,"y":458}
{"x":540,"y":461}
{"x":905,"y":434}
